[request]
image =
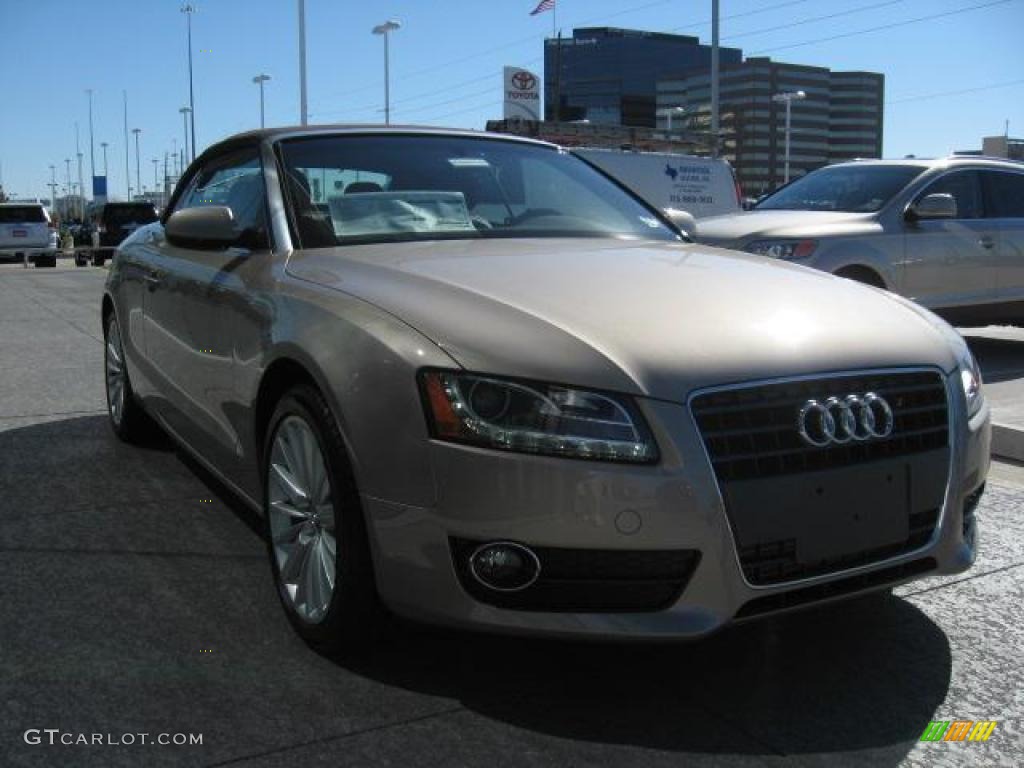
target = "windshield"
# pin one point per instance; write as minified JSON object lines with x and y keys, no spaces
{"x":358,"y":189}
{"x":849,"y":188}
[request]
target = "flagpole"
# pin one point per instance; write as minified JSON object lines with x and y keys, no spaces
{"x":554,"y":17}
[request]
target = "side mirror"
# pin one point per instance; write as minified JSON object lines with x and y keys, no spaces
{"x":683,"y":221}
{"x":208,"y":228}
{"x":935,"y":206}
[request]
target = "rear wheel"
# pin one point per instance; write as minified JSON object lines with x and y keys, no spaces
{"x":127,"y":418}
{"x":316,"y":534}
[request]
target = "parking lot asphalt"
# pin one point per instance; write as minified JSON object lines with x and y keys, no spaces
{"x":135,"y":598}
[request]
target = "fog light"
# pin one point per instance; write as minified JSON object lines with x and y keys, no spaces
{"x":504,"y":566}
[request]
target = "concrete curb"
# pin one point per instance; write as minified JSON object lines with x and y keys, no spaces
{"x":1008,"y":442}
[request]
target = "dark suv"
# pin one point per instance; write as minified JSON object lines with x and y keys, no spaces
{"x":115,"y":221}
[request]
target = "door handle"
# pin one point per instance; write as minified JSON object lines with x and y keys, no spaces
{"x":986,"y":242}
{"x":153,"y":280}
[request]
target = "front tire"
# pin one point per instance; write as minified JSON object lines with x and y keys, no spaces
{"x":315,"y":530}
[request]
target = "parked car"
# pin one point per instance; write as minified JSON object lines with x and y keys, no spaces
{"x":946,"y":233}
{"x":26,"y":232}
{"x":701,"y":186}
{"x":114,"y":222}
{"x":468,"y":378}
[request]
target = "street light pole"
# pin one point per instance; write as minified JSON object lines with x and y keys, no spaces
{"x":667,"y":114}
{"x":104,"y":145}
{"x":260,"y":80}
{"x":53,"y":188}
{"x":303,"y":114}
{"x":156,"y":176}
{"x":184,"y":114}
{"x":81,"y":187}
{"x":138,"y":175}
{"x":788,"y":98}
{"x":188,"y":9}
{"x":386,"y":29}
{"x":714,"y":79}
{"x":92,"y":146}
{"x":127,"y":165}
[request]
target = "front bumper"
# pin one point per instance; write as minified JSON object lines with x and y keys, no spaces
{"x":562,"y":504}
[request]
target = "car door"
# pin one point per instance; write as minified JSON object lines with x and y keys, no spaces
{"x":1004,"y":207}
{"x":951,"y":262}
{"x":194,"y":305}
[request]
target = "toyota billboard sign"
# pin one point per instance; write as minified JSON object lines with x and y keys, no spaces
{"x":522,"y":94}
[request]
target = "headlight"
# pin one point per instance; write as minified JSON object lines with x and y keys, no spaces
{"x":535,"y":418}
{"x":783,"y":249}
{"x":970,"y":377}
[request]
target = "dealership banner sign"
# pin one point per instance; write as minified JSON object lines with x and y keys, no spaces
{"x":522,"y":94}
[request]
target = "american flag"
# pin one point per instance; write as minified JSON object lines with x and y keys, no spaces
{"x":543,"y":5}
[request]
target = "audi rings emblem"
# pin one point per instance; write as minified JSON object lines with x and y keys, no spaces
{"x":837,"y":421}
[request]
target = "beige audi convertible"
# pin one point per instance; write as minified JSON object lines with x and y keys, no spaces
{"x":469,"y":379}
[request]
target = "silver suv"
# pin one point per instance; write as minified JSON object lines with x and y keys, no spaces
{"x":947,"y":233}
{"x":27,"y":233}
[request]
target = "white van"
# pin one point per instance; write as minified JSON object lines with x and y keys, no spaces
{"x":702,"y":186}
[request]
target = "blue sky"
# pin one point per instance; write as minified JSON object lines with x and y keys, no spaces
{"x":446,"y":65}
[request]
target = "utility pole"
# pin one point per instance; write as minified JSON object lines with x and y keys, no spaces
{"x":714,"y":78}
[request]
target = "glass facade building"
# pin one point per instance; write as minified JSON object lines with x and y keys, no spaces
{"x":608,"y":75}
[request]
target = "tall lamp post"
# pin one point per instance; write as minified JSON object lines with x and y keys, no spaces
{"x":104,"y":145}
{"x":303,"y":113}
{"x":260,"y":80}
{"x":138,"y":175}
{"x":92,"y":146}
{"x":67,"y":187}
{"x":156,"y":176}
{"x":184,"y":114}
{"x":788,"y":98}
{"x":667,"y":113}
{"x":53,"y":189}
{"x":188,"y":9}
{"x":386,"y":29}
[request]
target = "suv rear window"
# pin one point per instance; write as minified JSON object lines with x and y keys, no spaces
{"x":22,"y":214}
{"x":115,"y":215}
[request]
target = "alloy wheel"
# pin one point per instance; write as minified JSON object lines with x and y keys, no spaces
{"x":302,"y":521}
{"x":115,"y":374}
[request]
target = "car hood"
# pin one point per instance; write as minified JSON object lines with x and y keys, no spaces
{"x":659,"y":319}
{"x":734,"y":230}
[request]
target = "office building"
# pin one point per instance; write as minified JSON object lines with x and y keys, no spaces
{"x":607,"y":75}
{"x":839,"y":118}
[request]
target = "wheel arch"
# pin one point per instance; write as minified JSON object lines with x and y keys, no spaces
{"x":288,"y":368}
{"x":863,"y":273}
